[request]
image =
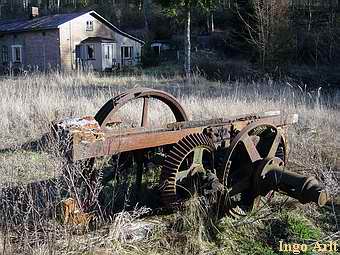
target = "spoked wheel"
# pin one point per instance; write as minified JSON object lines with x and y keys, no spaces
{"x":108,"y":115}
{"x":184,"y":163}
{"x":255,"y":149}
{"x":132,"y":110}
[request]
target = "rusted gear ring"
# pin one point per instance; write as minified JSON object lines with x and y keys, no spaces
{"x":198,"y":150}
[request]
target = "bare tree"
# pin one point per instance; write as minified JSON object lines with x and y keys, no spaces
{"x":270,"y":19}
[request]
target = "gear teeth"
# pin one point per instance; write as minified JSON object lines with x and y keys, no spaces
{"x":166,"y":172}
{"x":191,"y":140}
{"x":182,"y":144}
{"x":170,"y":164}
{"x":200,"y":139}
{"x":187,"y":141}
{"x":176,"y":156}
{"x":179,"y":151}
{"x":172,"y":178}
{"x":173,"y":161}
{"x":207,"y":140}
{"x":169,"y":191}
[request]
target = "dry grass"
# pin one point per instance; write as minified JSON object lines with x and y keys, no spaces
{"x":29,"y":103}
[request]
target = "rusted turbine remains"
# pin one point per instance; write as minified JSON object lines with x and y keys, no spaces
{"x":242,"y":157}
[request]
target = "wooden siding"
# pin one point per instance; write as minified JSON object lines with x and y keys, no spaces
{"x":74,"y":31}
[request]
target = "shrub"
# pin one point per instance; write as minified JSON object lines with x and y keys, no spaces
{"x":215,"y":66}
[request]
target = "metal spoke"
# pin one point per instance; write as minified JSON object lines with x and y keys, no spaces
{"x":182,"y":174}
{"x":145,"y":117}
{"x":198,"y":156}
{"x":196,"y":166}
{"x":275,"y":145}
{"x":251,"y":148}
{"x":112,"y":106}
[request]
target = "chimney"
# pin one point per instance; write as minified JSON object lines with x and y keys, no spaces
{"x":34,"y":12}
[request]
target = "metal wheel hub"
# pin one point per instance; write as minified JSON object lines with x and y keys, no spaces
{"x":265,"y":166}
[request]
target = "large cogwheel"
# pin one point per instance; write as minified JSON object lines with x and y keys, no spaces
{"x":186,"y":160}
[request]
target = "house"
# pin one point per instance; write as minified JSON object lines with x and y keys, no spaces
{"x":66,"y":41}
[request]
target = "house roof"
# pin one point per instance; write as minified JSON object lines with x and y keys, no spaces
{"x":53,"y":22}
{"x":39,"y":23}
{"x":113,"y":27}
{"x":98,"y":40}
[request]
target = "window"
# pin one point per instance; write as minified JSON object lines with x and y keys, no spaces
{"x":127,"y":52}
{"x":89,"y":25}
{"x":17,"y":53}
{"x":90,"y":51}
{"x":4,"y":54}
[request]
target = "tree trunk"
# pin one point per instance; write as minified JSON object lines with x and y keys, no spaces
{"x":208,"y":23}
{"x":212,"y":22}
{"x":146,"y":8}
{"x":187,"y":62}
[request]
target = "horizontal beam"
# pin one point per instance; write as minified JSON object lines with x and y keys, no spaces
{"x":86,"y":146}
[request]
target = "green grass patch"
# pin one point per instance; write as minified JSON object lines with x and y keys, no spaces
{"x":300,"y":228}
{"x":234,"y":238}
{"x":263,"y":237}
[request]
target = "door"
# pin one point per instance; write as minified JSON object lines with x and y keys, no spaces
{"x":107,"y":55}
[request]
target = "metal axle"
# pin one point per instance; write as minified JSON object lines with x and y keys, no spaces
{"x":305,"y":189}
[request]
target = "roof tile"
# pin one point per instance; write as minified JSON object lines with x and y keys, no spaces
{"x":39,"y":23}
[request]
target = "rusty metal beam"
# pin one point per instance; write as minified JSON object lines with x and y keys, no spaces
{"x":109,"y":143}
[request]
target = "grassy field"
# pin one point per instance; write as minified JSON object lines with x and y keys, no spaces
{"x":28,"y":104}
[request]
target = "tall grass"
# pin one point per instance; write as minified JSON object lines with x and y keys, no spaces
{"x":28,"y":104}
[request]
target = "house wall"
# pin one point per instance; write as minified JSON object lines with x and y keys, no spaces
{"x":74,"y":31}
{"x":40,"y":49}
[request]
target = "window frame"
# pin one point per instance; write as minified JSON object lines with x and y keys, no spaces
{"x":89,"y":25}
{"x":129,"y":51}
{"x":14,"y":55}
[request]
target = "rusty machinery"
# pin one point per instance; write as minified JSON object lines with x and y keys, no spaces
{"x":245,"y":155}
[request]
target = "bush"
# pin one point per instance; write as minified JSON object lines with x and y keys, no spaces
{"x":215,"y":66}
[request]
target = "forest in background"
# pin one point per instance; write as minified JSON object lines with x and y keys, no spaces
{"x":246,"y":37}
